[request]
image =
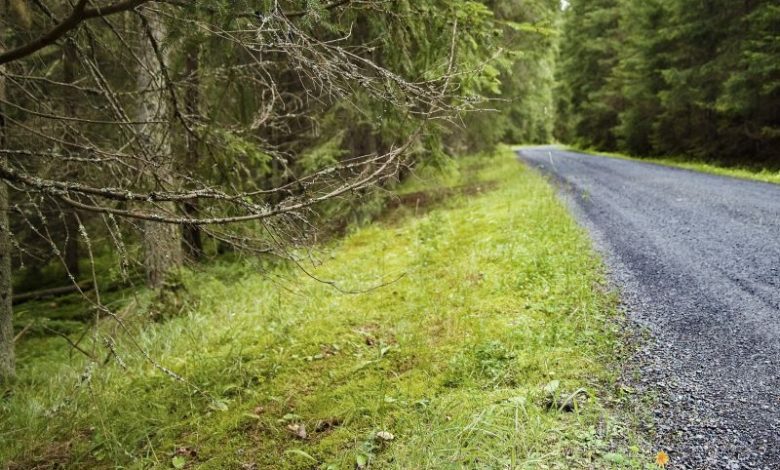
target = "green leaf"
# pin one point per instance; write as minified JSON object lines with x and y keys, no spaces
{"x":289,"y":417}
{"x":219,"y":405}
{"x":518,"y":401}
{"x":178,"y":461}
{"x":301,"y":453}
{"x":615,"y":458}
{"x":552,"y":387}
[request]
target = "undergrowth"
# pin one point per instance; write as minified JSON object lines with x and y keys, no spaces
{"x":470,"y":330}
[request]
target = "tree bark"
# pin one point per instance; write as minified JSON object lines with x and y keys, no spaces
{"x":71,"y":252}
{"x":52,"y":292}
{"x":162,"y":242}
{"x":72,"y":249}
{"x":193,"y":242}
{"x":7,"y":359}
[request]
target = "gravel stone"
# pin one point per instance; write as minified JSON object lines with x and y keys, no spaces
{"x":697,"y":260}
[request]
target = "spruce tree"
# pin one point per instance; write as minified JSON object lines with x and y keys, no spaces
{"x":589,"y":53}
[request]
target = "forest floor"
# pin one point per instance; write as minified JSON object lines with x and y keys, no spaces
{"x":470,"y":327}
{"x":754,"y":174}
{"x":696,"y":258}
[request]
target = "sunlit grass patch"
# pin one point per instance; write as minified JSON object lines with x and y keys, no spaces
{"x":473,"y":334}
{"x":755,"y":174}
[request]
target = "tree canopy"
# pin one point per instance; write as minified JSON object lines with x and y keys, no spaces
{"x":152,"y":133}
{"x":669,"y":77}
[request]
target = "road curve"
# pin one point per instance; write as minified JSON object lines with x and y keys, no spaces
{"x":697,"y":259}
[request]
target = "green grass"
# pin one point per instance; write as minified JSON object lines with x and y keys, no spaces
{"x":456,"y":321}
{"x":767,"y":176}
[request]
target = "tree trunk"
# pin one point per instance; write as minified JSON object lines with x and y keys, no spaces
{"x":6,"y":310}
{"x":72,"y":252}
{"x":7,"y":360}
{"x":193,"y":242}
{"x":162,"y":242}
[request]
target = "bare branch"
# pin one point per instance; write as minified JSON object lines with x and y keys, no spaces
{"x":79,"y":14}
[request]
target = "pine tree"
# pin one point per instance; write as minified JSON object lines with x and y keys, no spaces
{"x":750,"y":98}
{"x":673,"y":77}
{"x":589,"y":53}
{"x":531,"y":35}
{"x":642,"y":58}
{"x":6,"y":312}
{"x":162,"y":242}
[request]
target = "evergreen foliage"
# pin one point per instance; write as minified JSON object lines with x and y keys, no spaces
{"x":144,"y":133}
{"x":671,"y":77}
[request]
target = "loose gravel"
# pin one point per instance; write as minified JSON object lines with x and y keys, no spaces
{"x":697,"y":260}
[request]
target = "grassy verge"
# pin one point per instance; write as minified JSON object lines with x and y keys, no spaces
{"x":767,"y":176}
{"x":468,"y":329}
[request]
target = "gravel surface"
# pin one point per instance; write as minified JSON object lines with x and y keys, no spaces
{"x":697,"y":259}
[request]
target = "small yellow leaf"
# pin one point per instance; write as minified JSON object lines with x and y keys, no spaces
{"x":661,"y":459}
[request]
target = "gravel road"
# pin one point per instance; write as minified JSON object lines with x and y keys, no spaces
{"x":697,"y":259}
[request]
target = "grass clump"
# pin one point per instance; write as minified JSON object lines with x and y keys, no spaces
{"x":754,"y":174}
{"x":466,"y":331}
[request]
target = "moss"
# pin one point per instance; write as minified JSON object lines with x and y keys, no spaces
{"x":443,"y":329}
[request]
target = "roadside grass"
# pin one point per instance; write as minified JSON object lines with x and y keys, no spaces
{"x":469,"y":328}
{"x":767,"y":176}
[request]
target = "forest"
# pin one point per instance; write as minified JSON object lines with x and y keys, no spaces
{"x":148,"y":146}
{"x":143,"y":135}
{"x":700,"y":80}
